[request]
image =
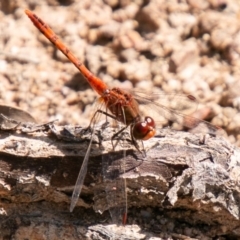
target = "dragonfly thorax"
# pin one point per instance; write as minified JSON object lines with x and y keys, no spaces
{"x":143,"y":130}
{"x":122,"y":105}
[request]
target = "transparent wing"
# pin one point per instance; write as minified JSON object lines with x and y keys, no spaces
{"x":80,"y":179}
{"x":83,"y":171}
{"x":115,"y":186}
{"x":175,"y":108}
{"x":172,"y":101}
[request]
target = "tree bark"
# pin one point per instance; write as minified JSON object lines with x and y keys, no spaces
{"x":186,"y":186}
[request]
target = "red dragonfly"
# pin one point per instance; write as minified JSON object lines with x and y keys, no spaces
{"x":119,"y":105}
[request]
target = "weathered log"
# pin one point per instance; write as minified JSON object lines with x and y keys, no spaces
{"x":187,"y":185}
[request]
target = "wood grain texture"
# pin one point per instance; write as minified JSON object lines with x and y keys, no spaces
{"x":186,"y":181}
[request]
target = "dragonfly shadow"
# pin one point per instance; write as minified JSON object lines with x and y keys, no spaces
{"x":77,"y":83}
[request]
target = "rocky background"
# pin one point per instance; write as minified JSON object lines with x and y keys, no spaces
{"x":188,"y":47}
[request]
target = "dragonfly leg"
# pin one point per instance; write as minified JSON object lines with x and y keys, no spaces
{"x":115,"y":135}
{"x":133,"y":140}
{"x":93,"y":120}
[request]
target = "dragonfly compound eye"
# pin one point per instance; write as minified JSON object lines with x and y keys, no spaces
{"x":144,"y":130}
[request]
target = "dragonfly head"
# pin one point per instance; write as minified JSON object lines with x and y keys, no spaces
{"x":143,"y":130}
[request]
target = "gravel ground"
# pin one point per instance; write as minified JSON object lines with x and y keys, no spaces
{"x":176,"y":46}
